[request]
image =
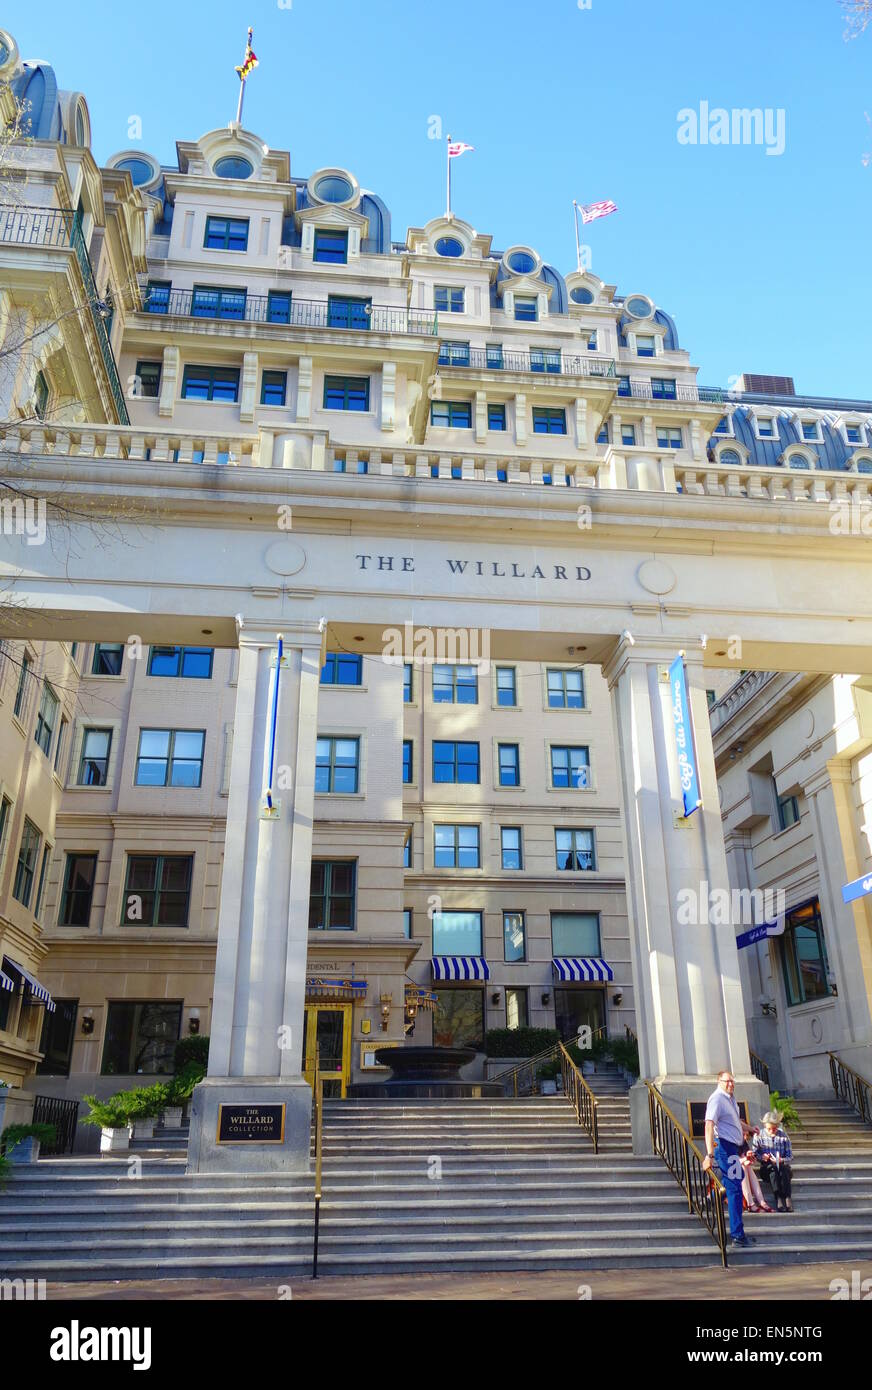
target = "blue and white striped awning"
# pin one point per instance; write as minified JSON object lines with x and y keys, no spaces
{"x":460,"y":968}
{"x":34,"y":988}
{"x":581,"y":968}
{"x":6,"y":983}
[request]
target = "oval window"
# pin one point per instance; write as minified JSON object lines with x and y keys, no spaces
{"x":449,"y":246}
{"x":139,"y":169}
{"x":334,"y":188}
{"x":581,"y":296}
{"x":521,"y":262}
{"x":730,"y":458}
{"x":799,"y":461}
{"x":640,"y":308}
{"x":233,"y":166}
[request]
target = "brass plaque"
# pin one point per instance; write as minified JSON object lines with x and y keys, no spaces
{"x":251,"y":1124}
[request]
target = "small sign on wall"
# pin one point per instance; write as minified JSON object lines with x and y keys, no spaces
{"x":251,"y":1124}
{"x":367,"y":1055}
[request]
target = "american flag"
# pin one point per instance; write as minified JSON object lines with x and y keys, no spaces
{"x":456,"y":147}
{"x":592,"y":211}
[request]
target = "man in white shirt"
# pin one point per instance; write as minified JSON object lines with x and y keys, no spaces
{"x":725,"y":1131}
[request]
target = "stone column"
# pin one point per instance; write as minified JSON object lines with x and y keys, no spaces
{"x":689,"y":1008}
{"x":260,"y":973}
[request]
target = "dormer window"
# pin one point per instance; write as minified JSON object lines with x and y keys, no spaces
{"x":526,"y":309}
{"x":581,"y":295}
{"x":723,"y":426}
{"x":645,"y":346}
{"x":811,"y":431}
{"x":449,"y":246}
{"x":233,"y":167}
{"x":448,"y":299}
{"x":331,"y":247}
{"x":854,"y":434}
{"x":226,"y":234}
{"x":765,"y":427}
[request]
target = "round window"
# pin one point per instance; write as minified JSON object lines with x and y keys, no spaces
{"x":139,"y":169}
{"x":233,"y":166}
{"x":521,"y":262}
{"x":581,"y":296}
{"x":639,"y":307}
{"x":449,"y":246}
{"x":334,"y":188}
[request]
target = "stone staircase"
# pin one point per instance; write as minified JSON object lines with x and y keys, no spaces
{"x":429,"y":1186}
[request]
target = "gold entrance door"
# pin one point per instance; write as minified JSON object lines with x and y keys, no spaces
{"x":327,"y":1032}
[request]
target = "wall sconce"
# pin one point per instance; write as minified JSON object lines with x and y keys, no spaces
{"x":546,"y":998}
{"x":194,"y":1021}
{"x":386,"y":1001}
{"x":495,"y":997}
{"x":767,"y":1006}
{"x":618,"y":999}
{"x":833,"y":986}
{"x":88,"y":1022}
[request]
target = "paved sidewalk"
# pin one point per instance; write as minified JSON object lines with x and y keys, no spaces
{"x":809,"y":1283}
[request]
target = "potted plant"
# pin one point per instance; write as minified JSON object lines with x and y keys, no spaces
{"x":111,"y":1116}
{"x":21,"y":1142}
{"x":547,"y":1077}
{"x":179,"y":1091}
{"x":142,"y":1106}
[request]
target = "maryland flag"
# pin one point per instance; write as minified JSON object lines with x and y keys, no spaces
{"x":249,"y":62}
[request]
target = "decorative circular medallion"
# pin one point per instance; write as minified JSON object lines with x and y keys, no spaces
{"x":639,"y":306}
{"x":656,"y":576}
{"x":285,"y":557}
{"x":816,"y":1029}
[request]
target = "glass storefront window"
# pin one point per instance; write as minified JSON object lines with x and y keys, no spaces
{"x":459,"y":1018}
{"x":804,"y":955}
{"x":457,"y":934}
{"x":141,"y":1039}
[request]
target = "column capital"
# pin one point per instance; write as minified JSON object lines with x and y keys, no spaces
{"x":298,"y":632}
{"x":655,"y":650}
{"x":822,"y":779}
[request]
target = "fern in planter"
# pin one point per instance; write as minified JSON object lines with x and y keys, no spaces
{"x":181,"y":1088}
{"x":144,"y":1102}
{"x":787,"y":1106}
{"x":108,"y":1114}
{"x":12,"y":1134}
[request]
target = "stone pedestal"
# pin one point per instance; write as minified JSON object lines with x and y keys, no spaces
{"x":207,"y":1155}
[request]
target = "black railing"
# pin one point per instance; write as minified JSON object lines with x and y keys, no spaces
{"x":683,"y":391}
{"x":704,"y":1190}
{"x":544,"y":363}
{"x":62,"y":1113}
{"x":851,"y":1087}
{"x":760,"y":1070}
{"x":282,"y":310}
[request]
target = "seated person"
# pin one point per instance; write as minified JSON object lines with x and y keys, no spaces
{"x":772,"y":1147}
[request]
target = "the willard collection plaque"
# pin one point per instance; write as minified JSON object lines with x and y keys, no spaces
{"x":251,"y":1124}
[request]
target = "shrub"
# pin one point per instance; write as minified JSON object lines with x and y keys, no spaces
{"x":144,"y":1102}
{"x":519,"y":1042}
{"x":181,"y":1088}
{"x":194,"y":1048}
{"x":624,"y":1052}
{"x":12,"y":1135}
{"x":787,"y":1106}
{"x":108,"y":1114}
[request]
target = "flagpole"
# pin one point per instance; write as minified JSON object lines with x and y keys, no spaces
{"x":577,"y":242}
{"x":239,"y":107}
{"x":448,"y":175}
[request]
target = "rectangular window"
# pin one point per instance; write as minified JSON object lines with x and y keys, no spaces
{"x":157,"y":297}
{"x":212,"y":302}
{"x":514,"y":937}
{"x":226,"y":234}
{"x":343,"y":312}
{"x":496,"y":417}
{"x":278,"y":307}
{"x":454,"y":415}
{"x":149,"y":379}
{"x":456,"y":847}
{"x":457,"y":934}
{"x":458,"y":1020}
{"x":526,"y":309}
{"x":407,"y":852}
{"x":765,"y":427}
{"x":628,"y":434}
{"x":546,"y":421}
{"x":337,"y":765}
{"x":273,"y":388}
{"x":565,"y":689}
{"x":723,"y":426}
{"x":407,"y":761}
{"x":663,"y":389}
{"x":342,"y":668}
{"x":407,"y":923}
{"x":575,"y":934}
{"x":509,"y":760}
{"x":346,"y":393}
{"x":603,"y":436}
{"x":853,"y":435}
{"x":192,"y":662}
{"x":624,"y":386}
{"x":804,"y":955}
{"x":157,"y":891}
{"x":810,"y":429}
{"x":46,"y":719}
{"x":455,"y":762}
{"x":25,"y":869}
{"x":494,"y":356}
{"x":170,"y":758}
{"x":331,"y":895}
{"x":21,"y":690}
{"x":454,"y":354}
{"x":210,"y":384}
{"x":56,"y":1042}
{"x":41,"y":395}
{"x":570,"y":766}
{"x":60,"y":746}
{"x":94,"y":762}
{"x":592,"y":341}
{"x":668,"y":438}
{"x":43,"y":870}
{"x":457,"y":685}
{"x":645,"y":345}
{"x":788,"y":811}
{"x":141,"y":1038}
{"x":575,"y":850}
{"x":448,"y":299}
{"x":75,"y":910}
{"x":331,"y":247}
{"x":107,"y":659}
{"x":511,"y":847}
{"x":507,"y":693}
{"x":545,"y":360}
{"x":516,"y":1008}
{"x":408,"y":683}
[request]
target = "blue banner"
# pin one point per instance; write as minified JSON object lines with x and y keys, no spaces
{"x":857,"y":888}
{"x":684,"y":737}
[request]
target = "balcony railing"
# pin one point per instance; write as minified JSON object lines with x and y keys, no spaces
{"x":282,"y":310}
{"x":544,"y":363}
{"x":683,"y":391}
{"x":60,"y":228}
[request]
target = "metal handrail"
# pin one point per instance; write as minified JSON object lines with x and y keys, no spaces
{"x":548,"y":1055}
{"x":704,"y":1190}
{"x":228,"y":304}
{"x":576,"y":1090}
{"x":851,"y":1087}
{"x":318,"y":1096}
{"x":760,"y":1069}
{"x":546,"y":362}
{"x":684,"y":391}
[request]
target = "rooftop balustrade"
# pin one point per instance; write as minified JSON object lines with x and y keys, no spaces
{"x":282,"y":309}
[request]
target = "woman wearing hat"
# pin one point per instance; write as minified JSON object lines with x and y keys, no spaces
{"x":772,"y":1147}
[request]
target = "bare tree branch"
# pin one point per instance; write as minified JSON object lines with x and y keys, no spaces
{"x":858,"y":16}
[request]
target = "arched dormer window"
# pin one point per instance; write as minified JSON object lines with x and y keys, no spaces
{"x":797,"y":458}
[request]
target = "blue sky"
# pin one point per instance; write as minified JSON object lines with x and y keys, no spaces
{"x":763,"y":260}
